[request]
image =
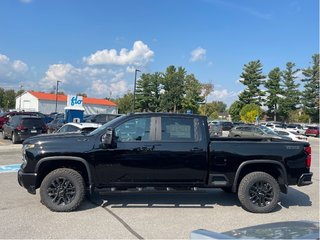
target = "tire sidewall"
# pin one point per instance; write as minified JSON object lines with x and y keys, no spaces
{"x":247,"y":182}
{"x":77,"y":181}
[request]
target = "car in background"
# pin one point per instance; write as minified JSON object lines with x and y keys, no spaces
{"x":251,"y":131}
{"x":55,"y":124}
{"x":226,"y":126}
{"x":78,"y":127}
{"x":215,"y":129}
{"x":20,"y":127}
{"x":101,"y":118}
{"x":293,"y":135}
{"x":296,"y":128}
{"x":312,"y":131}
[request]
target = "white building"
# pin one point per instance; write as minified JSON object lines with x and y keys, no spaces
{"x":46,"y":103}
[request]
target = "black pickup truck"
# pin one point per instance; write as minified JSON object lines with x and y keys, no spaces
{"x":161,"y":151}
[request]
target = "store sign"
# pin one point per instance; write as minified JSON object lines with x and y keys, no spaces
{"x":74,"y":101}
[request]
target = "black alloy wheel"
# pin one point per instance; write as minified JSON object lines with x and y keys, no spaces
{"x":62,"y":190}
{"x":259,"y":192}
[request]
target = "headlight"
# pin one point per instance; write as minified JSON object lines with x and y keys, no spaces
{"x":27,"y":146}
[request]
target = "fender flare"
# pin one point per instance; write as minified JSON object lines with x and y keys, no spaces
{"x":72,"y":158}
{"x":283,"y":171}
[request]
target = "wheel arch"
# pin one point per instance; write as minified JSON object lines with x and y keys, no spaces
{"x":48,"y":164}
{"x":278,"y":172}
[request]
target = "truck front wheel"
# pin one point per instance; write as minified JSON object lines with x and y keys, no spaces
{"x":62,"y":190}
{"x":259,"y":192}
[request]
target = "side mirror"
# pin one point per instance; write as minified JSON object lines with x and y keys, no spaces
{"x":107,"y":137}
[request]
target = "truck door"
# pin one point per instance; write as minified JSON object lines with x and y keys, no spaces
{"x":180,"y":151}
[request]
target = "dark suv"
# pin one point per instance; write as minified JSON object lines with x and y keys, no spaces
{"x":20,"y":127}
{"x":102,"y":118}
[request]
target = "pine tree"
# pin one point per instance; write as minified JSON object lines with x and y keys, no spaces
{"x":252,"y":78}
{"x":310,"y":95}
{"x":273,"y":90}
{"x":192,"y":97}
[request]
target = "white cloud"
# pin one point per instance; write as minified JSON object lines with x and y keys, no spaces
{"x":12,"y":72}
{"x":198,"y":54}
{"x":140,"y":55}
{"x":223,"y":94}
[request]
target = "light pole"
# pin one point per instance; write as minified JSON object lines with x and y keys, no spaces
{"x":134,"y":89}
{"x":20,"y":98}
{"x":57,"y":94}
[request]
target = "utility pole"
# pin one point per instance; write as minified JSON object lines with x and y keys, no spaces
{"x":57,"y":95}
{"x":20,"y":97}
{"x":134,"y":89}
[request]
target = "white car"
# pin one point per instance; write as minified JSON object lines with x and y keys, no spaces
{"x":78,"y":127}
{"x":293,"y":135}
{"x":296,"y":128}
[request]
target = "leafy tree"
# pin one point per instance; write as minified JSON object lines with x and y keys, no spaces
{"x":192,"y":97}
{"x":207,"y":88}
{"x":9,"y":99}
{"x":2,"y":104}
{"x":249,"y":113}
{"x":310,"y":95}
{"x":252,"y":78}
{"x":148,"y":92}
{"x":273,"y":89}
{"x":173,"y":86}
{"x":291,"y":94}
{"x":125,"y":103}
{"x":234,"y":111}
{"x":213,"y":109}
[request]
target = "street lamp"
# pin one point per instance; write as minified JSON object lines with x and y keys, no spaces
{"x":57,"y":94}
{"x":134,"y":89}
{"x":20,"y":98}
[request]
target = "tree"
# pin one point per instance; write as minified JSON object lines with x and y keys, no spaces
{"x":310,"y":95}
{"x":148,"y":92}
{"x":273,"y":90}
{"x":252,"y":78}
{"x":173,"y":86}
{"x":9,"y":99}
{"x":207,"y":88}
{"x":212,"y":110}
{"x":192,"y":97}
{"x":250,"y":112}
{"x":2,"y":104}
{"x":234,"y":111}
{"x":291,"y":94}
{"x":125,"y":103}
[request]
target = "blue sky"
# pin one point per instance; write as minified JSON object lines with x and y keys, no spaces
{"x":94,"y":46}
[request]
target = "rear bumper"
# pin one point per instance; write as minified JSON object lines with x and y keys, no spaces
{"x":305,"y":179}
{"x":28,"y":181}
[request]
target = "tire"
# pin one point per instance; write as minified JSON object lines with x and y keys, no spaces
{"x":259,"y":192}
{"x":62,"y":190}
{"x":14,"y":138}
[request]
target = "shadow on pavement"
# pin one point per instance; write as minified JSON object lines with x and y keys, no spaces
{"x":295,"y":198}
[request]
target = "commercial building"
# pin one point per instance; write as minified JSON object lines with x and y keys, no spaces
{"x":46,"y":103}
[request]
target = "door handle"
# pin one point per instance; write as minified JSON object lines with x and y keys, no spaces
{"x":196,"y":149}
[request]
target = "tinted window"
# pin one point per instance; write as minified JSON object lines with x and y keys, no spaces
{"x":32,"y":122}
{"x":185,"y":129}
{"x":137,"y":129}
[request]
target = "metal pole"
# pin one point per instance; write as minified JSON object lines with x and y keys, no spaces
{"x":20,"y":98}
{"x":57,"y":95}
{"x":134,"y":89}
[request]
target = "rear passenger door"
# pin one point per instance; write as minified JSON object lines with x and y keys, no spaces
{"x":180,"y":150}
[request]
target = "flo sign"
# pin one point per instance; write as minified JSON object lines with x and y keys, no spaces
{"x":74,"y":102}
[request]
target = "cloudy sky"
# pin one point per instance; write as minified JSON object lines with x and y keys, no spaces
{"x":95,"y":46}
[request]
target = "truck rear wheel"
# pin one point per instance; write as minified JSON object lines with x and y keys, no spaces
{"x":259,"y":192}
{"x":62,"y":190}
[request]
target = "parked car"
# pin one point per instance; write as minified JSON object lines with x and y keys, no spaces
{"x":293,"y":135}
{"x":249,"y":131}
{"x":312,"y":131}
{"x":215,"y":129}
{"x":20,"y":127}
{"x":78,"y":127}
{"x":226,"y":126}
{"x":55,"y":124}
{"x":296,"y":128}
{"x":101,"y":118}
{"x":161,"y":150}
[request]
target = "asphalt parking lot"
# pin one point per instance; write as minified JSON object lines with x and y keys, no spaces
{"x":142,"y":215}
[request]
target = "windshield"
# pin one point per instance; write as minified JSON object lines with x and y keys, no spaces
{"x":106,"y":125}
{"x":267,"y":130}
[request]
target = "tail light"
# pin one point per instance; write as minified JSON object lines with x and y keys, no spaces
{"x":308,"y":161}
{"x":20,"y":128}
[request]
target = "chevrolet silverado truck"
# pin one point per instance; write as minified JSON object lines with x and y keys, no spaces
{"x":161,"y":151}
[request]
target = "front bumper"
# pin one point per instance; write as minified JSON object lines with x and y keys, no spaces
{"x":305,"y":179}
{"x":28,"y":181}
